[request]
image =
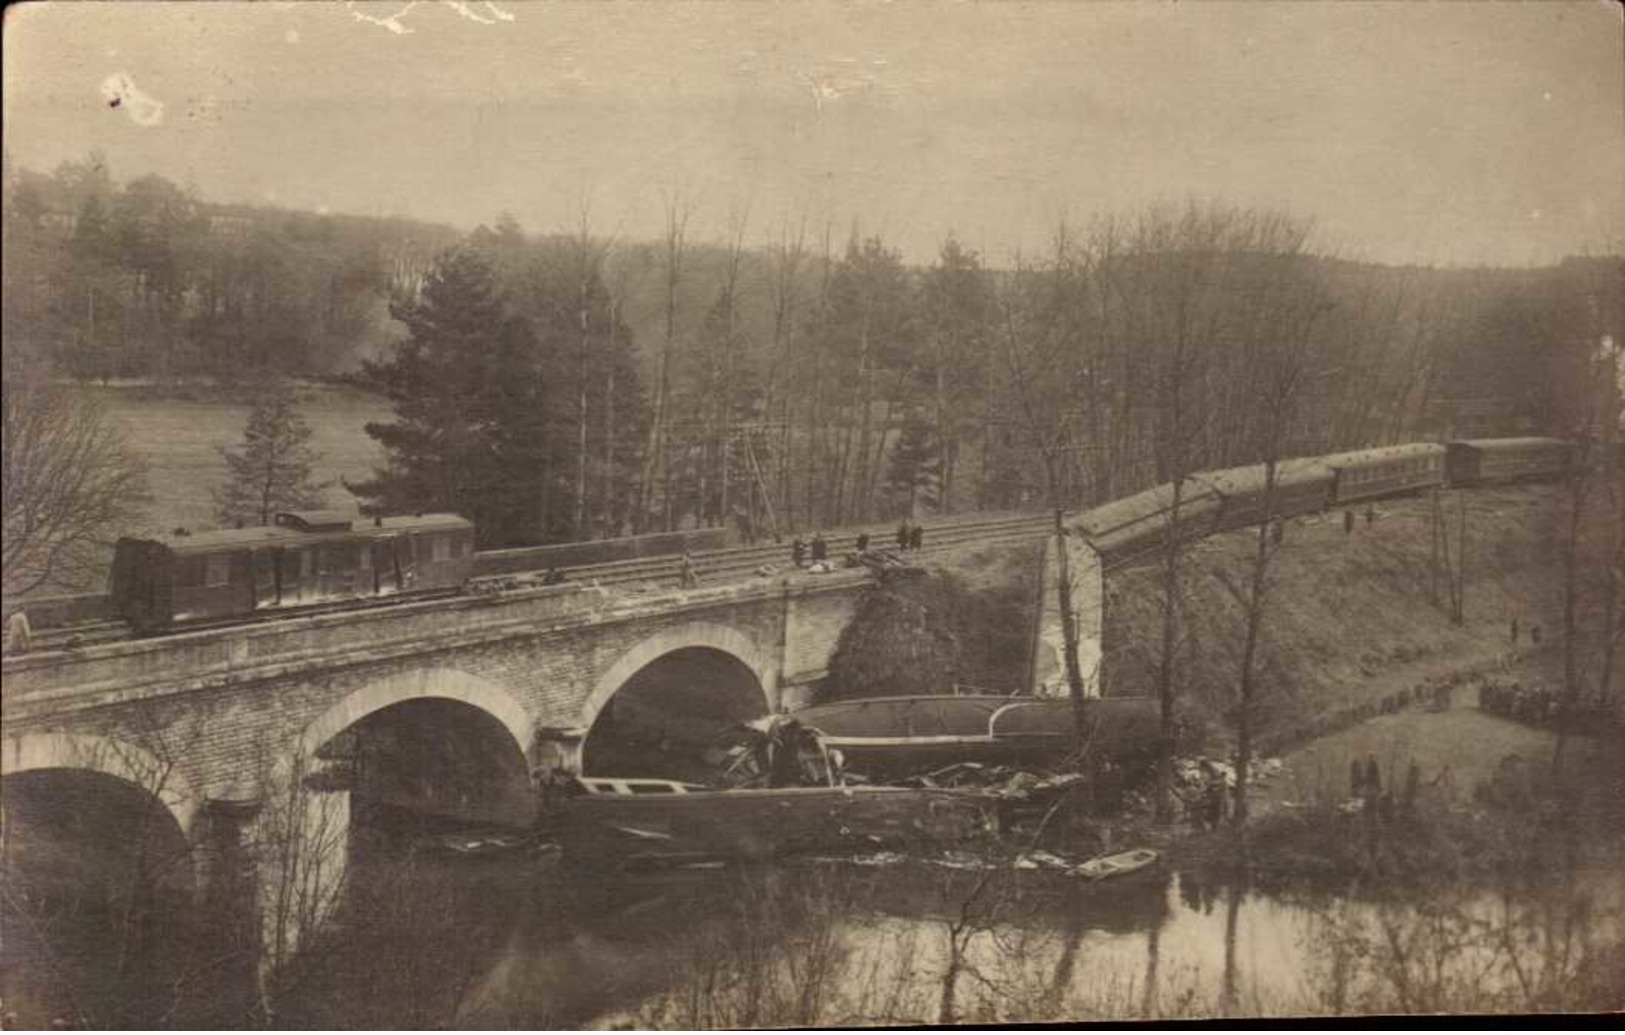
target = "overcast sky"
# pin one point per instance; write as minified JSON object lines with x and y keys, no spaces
{"x":1431,"y":132}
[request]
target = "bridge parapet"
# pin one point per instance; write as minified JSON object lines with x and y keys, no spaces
{"x":54,"y":682}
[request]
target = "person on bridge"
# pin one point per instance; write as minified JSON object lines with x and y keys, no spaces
{"x":1348,"y":522}
{"x":798,"y":552}
{"x":862,"y":544}
{"x":820,"y":549}
{"x":691,"y":578}
{"x":916,"y":537}
{"x":19,"y":635}
{"x":902,"y":535}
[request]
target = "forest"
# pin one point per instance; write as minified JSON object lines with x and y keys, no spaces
{"x":796,"y":374}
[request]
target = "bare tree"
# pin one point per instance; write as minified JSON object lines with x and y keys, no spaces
{"x":70,"y":485}
{"x":1036,"y":368}
{"x":657,"y":457}
{"x":1278,"y":341}
{"x":589,"y":253}
{"x":1595,"y":470}
{"x":785,"y":255}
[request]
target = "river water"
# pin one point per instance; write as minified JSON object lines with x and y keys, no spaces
{"x":513,"y":943}
{"x":433,"y":939}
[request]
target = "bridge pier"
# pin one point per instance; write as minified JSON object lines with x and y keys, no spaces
{"x":271,"y":868}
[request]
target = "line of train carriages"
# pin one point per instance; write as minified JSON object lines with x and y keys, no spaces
{"x":317,"y":559}
{"x":1137,"y":526}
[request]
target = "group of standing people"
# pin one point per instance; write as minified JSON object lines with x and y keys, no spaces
{"x":800,"y":550}
{"x":1348,"y":519}
{"x":803,"y":553}
{"x":1365,"y":784}
{"x":910,"y":536}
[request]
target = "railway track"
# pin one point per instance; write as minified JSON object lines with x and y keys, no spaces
{"x":714,"y":567}
{"x":720,"y":566}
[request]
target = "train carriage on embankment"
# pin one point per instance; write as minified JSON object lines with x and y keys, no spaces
{"x":1301,"y":487}
{"x":1500,"y":461}
{"x":1366,"y":475}
{"x":1136,"y":526}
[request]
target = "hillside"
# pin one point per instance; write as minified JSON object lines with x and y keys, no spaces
{"x":1350,"y":617}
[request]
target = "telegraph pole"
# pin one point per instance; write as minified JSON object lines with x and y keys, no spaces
{"x":1461,"y":563}
{"x":1433,"y":562}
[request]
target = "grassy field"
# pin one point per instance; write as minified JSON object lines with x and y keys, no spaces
{"x":1458,"y":748}
{"x":180,"y":439}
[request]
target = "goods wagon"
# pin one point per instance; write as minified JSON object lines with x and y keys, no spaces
{"x":564,"y":556}
{"x":305,"y":558}
{"x":1488,"y":461}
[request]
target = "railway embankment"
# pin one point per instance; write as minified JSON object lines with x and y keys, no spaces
{"x":1353,"y":615}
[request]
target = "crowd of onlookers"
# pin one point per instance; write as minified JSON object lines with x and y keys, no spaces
{"x":1437,"y":693}
{"x":1537,"y":705}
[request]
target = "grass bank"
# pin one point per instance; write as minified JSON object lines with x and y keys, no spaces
{"x":1351,"y":616}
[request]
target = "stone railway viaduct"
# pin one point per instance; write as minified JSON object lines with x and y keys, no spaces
{"x":213,"y":724}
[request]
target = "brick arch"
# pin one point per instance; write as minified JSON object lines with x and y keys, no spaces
{"x":115,"y":758}
{"x":717,"y":637}
{"x":443,"y":683}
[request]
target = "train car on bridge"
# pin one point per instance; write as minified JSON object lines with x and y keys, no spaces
{"x":305,"y":558}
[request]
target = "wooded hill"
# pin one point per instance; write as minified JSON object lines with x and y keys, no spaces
{"x":794,"y":376}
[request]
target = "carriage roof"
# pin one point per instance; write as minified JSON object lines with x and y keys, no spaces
{"x":1383,"y":454}
{"x":215,"y":540}
{"x":1503,"y":445}
{"x":1142,"y":505}
{"x":1251,"y":478}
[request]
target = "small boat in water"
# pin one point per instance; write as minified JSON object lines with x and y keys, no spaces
{"x":1120,"y":865}
{"x":483,"y":844}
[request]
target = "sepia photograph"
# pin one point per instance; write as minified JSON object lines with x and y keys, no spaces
{"x":811,"y":514}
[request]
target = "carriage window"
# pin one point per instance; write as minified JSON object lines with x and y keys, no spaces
{"x":441,"y":545}
{"x":218,"y":570}
{"x":364,"y":553}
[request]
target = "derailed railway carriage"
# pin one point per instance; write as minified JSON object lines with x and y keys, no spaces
{"x":305,"y":558}
{"x":1371,"y":474}
{"x":1488,"y":461}
{"x":1128,"y":529}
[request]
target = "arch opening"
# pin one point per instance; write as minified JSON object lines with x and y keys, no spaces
{"x":667,"y":720}
{"x":99,"y":907}
{"x":430,"y":758}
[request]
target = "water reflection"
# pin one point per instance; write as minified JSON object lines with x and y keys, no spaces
{"x":832,"y":943}
{"x":429,"y":940}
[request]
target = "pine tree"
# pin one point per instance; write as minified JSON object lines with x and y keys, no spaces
{"x":471,"y":425}
{"x":273,"y":469}
{"x":914,"y":473}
